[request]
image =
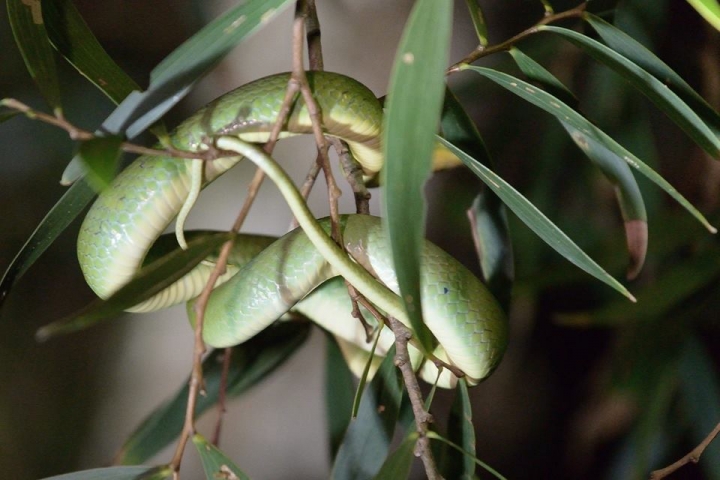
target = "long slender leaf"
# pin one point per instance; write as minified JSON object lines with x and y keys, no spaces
{"x":633,"y":50}
{"x":338,"y":394}
{"x":172,"y":78}
{"x":418,"y":73}
{"x":368,"y":438}
{"x":250,"y":363}
{"x":709,"y":9}
{"x":26,"y":21}
{"x":536,"y":72}
{"x":461,"y":431}
{"x":488,"y":468}
{"x":569,"y":116}
{"x":117,"y":473}
{"x":149,"y":281}
{"x":57,"y":219}
{"x":538,"y":222}
{"x":478,"y":19}
{"x":101,"y":158}
{"x":215,"y":463}
{"x":71,"y":37}
{"x":664,"y":98}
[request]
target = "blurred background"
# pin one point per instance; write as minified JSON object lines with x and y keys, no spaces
{"x":591,"y":386}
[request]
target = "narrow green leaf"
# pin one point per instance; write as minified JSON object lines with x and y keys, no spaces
{"x":418,"y":73}
{"x":71,"y":37}
{"x":709,"y":9}
{"x":636,"y":52}
{"x":461,"y":431}
{"x":173,"y":77}
{"x":368,"y":437}
{"x":488,"y":218}
{"x":569,"y":116}
{"x":338,"y":394}
{"x":397,"y":464}
{"x":536,"y":72}
{"x":250,"y":363}
{"x":26,"y":21}
{"x":57,"y":219}
{"x":150,"y":280}
{"x":215,"y":463}
{"x":664,"y":98}
{"x":100,"y":157}
{"x":434,"y":436}
{"x":117,"y":473}
{"x":538,"y":222}
{"x":478,"y":19}
{"x":4,"y":116}
{"x":700,"y":400}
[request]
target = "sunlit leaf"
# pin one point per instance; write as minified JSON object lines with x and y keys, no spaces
{"x":664,"y":98}
{"x":250,"y":363}
{"x":397,"y":464}
{"x":57,"y":219}
{"x":569,"y":116}
{"x":150,"y":280}
{"x":101,"y":157}
{"x":26,"y":21}
{"x":537,"y":222}
{"x":368,"y":437}
{"x":215,"y":463}
{"x":408,"y":139}
{"x":117,"y":473}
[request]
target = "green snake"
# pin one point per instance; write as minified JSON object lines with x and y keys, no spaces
{"x":298,"y":271}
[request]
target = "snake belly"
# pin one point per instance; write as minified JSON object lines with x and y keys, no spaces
{"x":128,"y":217}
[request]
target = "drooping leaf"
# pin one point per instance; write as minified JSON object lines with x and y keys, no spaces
{"x":569,"y":116}
{"x":57,"y":219}
{"x":633,"y":50}
{"x":487,"y":216}
{"x":434,"y":436}
{"x":100,"y":156}
{"x":150,"y":280}
{"x":117,"y":473}
{"x":173,"y":77}
{"x":664,"y":98}
{"x":536,"y":72}
{"x":408,"y":140}
{"x":461,"y":431}
{"x":397,"y":464}
{"x":537,"y":222}
{"x":71,"y":36}
{"x":215,"y":463}
{"x":250,"y":363}
{"x":368,"y":437}
{"x":26,"y":21}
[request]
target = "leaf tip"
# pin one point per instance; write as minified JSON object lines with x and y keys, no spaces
{"x":636,"y":234}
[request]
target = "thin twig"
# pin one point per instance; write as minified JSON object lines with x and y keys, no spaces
{"x":312,"y":33}
{"x":481,"y":51}
{"x":222,"y":397}
{"x":692,"y":457}
{"x":353,"y":174}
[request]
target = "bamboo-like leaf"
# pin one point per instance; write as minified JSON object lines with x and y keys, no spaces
{"x":709,"y":9}
{"x":478,"y":19}
{"x":664,"y":98}
{"x":569,"y":116}
{"x":537,"y":222}
{"x":250,"y":363}
{"x":636,"y":52}
{"x":147,"y":282}
{"x":26,"y":21}
{"x":338,"y":394}
{"x":418,"y":73}
{"x":173,"y":77}
{"x":57,"y":219}
{"x":71,"y":37}
{"x":215,"y":463}
{"x":434,"y":436}
{"x":461,"y":431}
{"x":101,"y":157}
{"x":117,"y":473}
{"x":488,"y":219}
{"x":397,"y":464}
{"x":368,"y":437}
{"x":536,"y":72}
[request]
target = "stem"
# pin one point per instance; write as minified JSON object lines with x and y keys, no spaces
{"x":692,"y":456}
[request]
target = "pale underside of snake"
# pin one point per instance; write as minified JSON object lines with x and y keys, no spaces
{"x":299,"y":272}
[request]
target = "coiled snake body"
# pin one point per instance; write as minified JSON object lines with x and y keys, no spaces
{"x":130,"y":215}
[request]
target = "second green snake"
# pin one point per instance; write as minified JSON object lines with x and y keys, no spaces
{"x":129,"y":216}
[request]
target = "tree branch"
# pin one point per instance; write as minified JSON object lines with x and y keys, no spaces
{"x":692,"y":456}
